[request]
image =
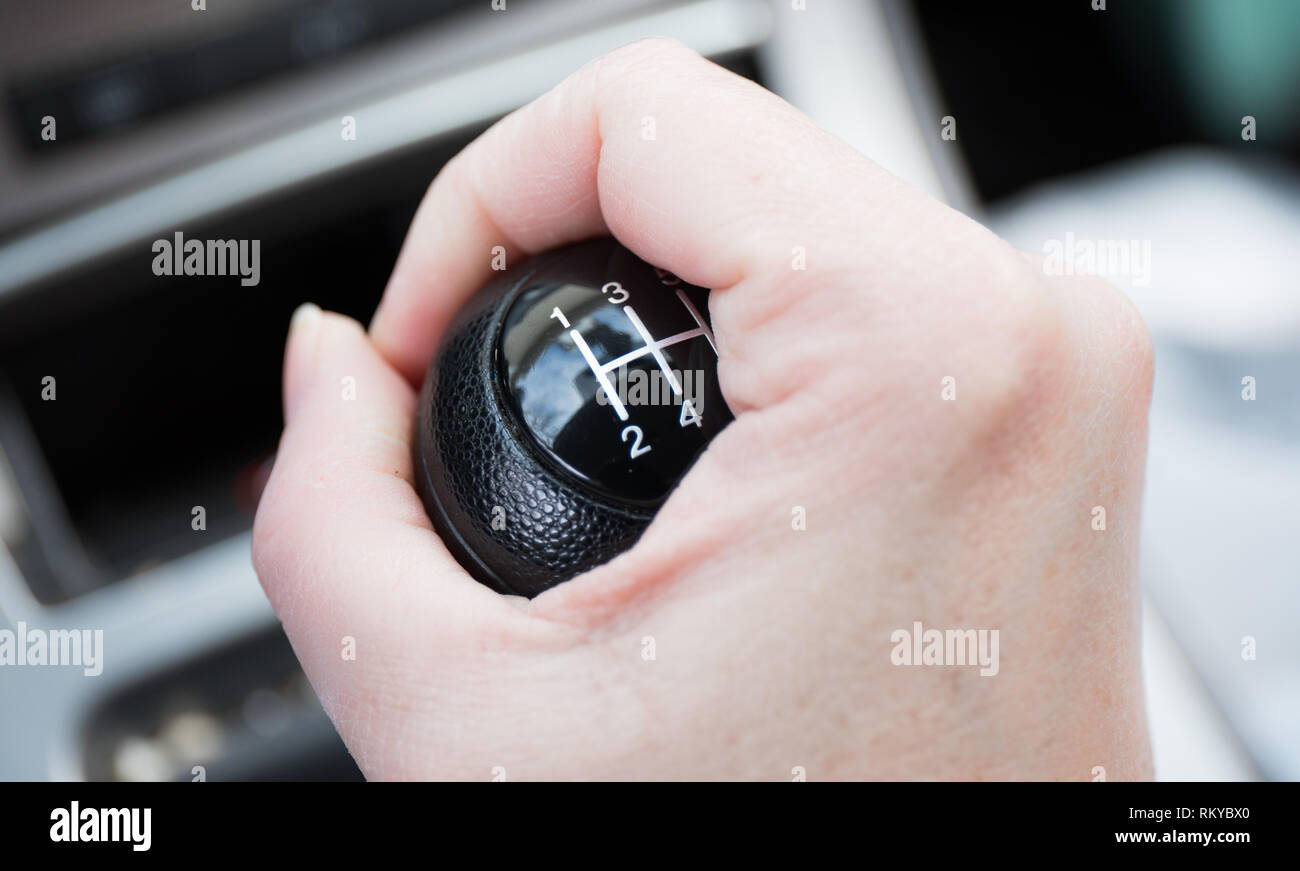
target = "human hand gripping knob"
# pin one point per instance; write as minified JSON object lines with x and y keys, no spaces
{"x":752,"y":631}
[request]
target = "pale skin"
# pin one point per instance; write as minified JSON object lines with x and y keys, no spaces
{"x":771,"y":644}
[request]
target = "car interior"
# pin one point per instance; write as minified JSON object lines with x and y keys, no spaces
{"x":231,"y":130}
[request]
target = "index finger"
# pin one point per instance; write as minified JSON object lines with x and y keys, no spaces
{"x":693,"y":168}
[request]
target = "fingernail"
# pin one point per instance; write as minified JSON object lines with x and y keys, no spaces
{"x":306,"y":317}
{"x":300,"y":359}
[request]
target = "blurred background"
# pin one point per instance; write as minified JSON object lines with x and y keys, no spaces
{"x":1166,"y":129}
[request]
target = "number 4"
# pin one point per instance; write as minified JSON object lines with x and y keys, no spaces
{"x":689,"y":415}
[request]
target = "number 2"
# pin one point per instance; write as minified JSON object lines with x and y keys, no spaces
{"x":637,"y":448}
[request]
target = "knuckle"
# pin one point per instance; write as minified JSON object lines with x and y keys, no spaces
{"x":268,"y":539}
{"x":1008,"y":317}
{"x":1051,"y":338}
{"x":1132,"y":349}
{"x":1111,"y":349}
{"x":1006,"y":341}
{"x":649,"y":65}
{"x":1028,"y":363}
{"x":656,"y":50}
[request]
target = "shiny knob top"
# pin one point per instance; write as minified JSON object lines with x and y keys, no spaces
{"x":611,"y":367}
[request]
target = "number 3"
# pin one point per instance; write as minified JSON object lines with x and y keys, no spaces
{"x":616,"y":289}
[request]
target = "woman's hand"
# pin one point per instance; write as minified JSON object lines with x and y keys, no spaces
{"x":734,"y":640}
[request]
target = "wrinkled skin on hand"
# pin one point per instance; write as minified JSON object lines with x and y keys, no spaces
{"x":771,"y":645}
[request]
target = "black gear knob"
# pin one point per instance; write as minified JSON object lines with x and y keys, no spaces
{"x":567,"y":399}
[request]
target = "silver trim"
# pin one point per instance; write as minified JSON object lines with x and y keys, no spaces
{"x":474,"y":96}
{"x":820,"y":58}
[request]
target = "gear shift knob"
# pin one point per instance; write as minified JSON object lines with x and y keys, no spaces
{"x":567,"y":399}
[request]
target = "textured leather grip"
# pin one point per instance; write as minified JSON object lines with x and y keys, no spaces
{"x":502,"y":510}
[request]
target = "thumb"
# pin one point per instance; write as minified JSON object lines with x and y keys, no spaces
{"x":341,"y":542}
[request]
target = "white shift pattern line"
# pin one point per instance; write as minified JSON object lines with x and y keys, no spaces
{"x":610,"y":393}
{"x":641,"y":352}
{"x":704,"y":328}
{"x":652,"y":346}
